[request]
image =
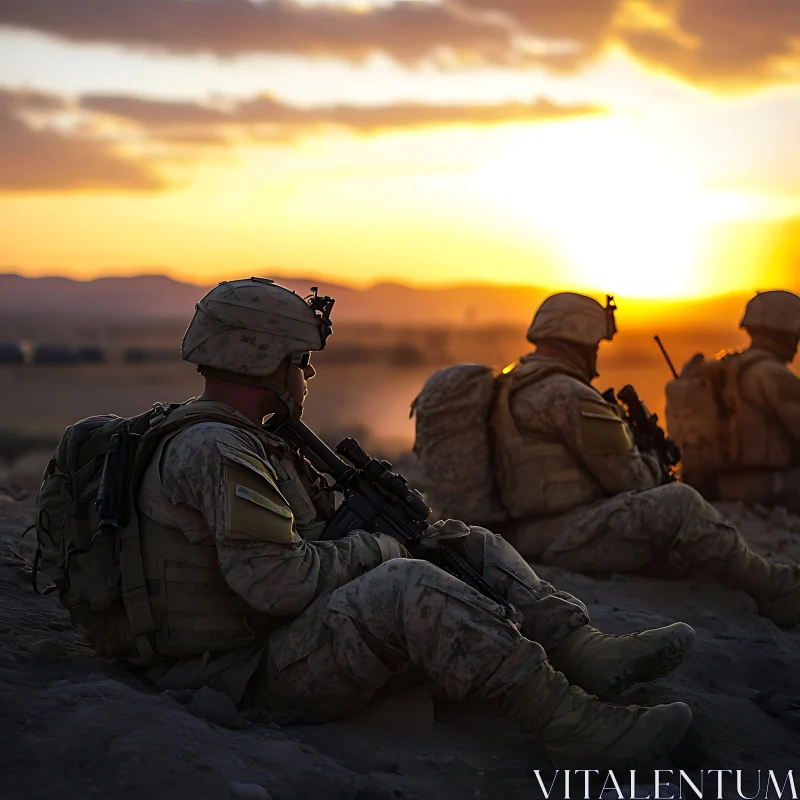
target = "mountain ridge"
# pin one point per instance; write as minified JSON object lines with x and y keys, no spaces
{"x":158,"y":297}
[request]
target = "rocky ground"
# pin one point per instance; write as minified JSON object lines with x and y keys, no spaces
{"x":72,"y":725}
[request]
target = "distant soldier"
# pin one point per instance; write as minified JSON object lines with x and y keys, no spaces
{"x":226,"y":583}
{"x":580,"y":493}
{"x":737,"y":418}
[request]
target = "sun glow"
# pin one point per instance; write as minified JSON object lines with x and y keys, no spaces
{"x":625,"y":213}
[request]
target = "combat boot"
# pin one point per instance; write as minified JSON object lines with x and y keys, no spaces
{"x":576,"y":728}
{"x":606,"y":665}
{"x":776,"y":587}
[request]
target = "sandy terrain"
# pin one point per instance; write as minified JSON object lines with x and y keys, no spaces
{"x":72,"y":725}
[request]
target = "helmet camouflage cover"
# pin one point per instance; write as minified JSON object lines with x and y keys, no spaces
{"x":251,"y":325}
{"x":573,"y":318}
{"x":243,"y":330}
{"x":777,"y":311}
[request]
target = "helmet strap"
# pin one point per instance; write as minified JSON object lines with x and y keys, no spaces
{"x":294,"y":408}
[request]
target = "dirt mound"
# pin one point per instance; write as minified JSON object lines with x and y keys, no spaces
{"x":73,"y":726}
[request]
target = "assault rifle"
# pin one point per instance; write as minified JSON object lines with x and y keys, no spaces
{"x":647,"y":433}
{"x":379,"y":501}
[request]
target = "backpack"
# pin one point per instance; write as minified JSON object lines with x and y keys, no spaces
{"x":86,"y":529}
{"x":452,"y":443}
{"x":701,"y":413}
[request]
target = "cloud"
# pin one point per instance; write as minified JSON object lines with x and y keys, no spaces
{"x":52,"y":143}
{"x":48,"y":160}
{"x":407,"y":31}
{"x":723,"y":43}
{"x":584,"y":23}
{"x":744,"y":43}
{"x":158,"y":115}
{"x":448,"y":31}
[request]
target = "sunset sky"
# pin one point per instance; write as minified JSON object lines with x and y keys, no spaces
{"x":640,"y":147}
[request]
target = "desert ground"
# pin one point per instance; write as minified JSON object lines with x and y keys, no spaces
{"x":73,"y":725}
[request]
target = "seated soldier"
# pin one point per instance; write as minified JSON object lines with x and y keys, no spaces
{"x":737,"y":419}
{"x":580,"y":493}
{"x":246,"y":601}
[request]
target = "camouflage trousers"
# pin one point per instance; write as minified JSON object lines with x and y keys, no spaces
{"x":408,"y":617}
{"x":668,"y":532}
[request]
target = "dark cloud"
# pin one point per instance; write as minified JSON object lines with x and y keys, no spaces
{"x":713,"y":42}
{"x":584,"y":22}
{"x":725,"y":42}
{"x":37,"y":153}
{"x":47,"y":160}
{"x":407,"y":31}
{"x":158,"y":115}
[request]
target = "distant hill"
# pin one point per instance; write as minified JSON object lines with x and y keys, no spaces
{"x":159,"y":298}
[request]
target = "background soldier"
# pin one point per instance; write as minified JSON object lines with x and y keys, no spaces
{"x":737,"y":419}
{"x":584,"y":497}
{"x":247,"y":602}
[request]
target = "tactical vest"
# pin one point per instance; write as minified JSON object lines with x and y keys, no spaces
{"x":538,"y":477}
{"x":193,"y":608}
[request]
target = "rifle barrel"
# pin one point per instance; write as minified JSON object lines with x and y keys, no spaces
{"x":666,"y":357}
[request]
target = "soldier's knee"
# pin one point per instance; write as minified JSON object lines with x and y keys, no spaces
{"x":405,"y":571}
{"x":688,"y":505}
{"x":480,"y":534}
{"x":679,"y":496}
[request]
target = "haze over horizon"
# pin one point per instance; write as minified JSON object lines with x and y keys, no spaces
{"x":645,"y":148}
{"x":151,"y":297}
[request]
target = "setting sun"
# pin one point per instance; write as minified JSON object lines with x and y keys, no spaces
{"x":624,"y":212}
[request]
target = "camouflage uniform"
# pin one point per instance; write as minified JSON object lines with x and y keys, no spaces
{"x":766,"y":425}
{"x":358,"y":609}
{"x":737,"y":418}
{"x":605,"y":510}
{"x":583,"y":497}
{"x":246,"y":599}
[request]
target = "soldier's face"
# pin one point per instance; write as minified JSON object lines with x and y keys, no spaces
{"x":295,"y":378}
{"x":298,"y":381}
{"x":592,"y":361}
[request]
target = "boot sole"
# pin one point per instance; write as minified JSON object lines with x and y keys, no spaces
{"x":655,"y":664}
{"x":675,"y":721}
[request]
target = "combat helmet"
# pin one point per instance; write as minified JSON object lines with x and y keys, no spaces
{"x":242,"y":330}
{"x":776,"y":310}
{"x":573,"y":318}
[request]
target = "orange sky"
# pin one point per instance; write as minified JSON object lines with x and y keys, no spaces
{"x":639,"y":147}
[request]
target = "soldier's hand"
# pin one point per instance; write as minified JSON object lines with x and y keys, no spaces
{"x":450,"y":532}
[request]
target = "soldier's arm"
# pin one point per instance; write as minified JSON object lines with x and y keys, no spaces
{"x":224,"y":474}
{"x":604,"y":443}
{"x":597,"y":437}
{"x":779,"y":391}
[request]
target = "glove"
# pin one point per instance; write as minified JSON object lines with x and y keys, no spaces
{"x":445,"y":531}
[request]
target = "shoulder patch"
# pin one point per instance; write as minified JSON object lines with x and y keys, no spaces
{"x":254,"y":497}
{"x":254,"y":508}
{"x":603,"y":430}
